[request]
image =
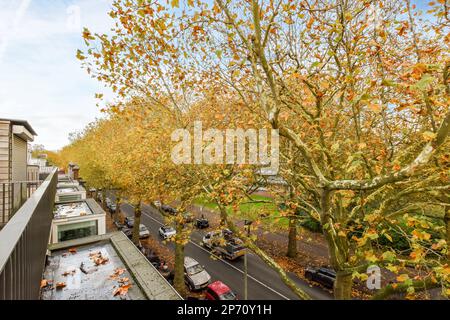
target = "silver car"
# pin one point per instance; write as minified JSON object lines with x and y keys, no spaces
{"x":167,"y":232}
{"x":195,"y":275}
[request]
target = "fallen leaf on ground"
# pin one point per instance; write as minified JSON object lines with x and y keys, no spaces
{"x":123,"y":290}
{"x":73,"y":250}
{"x":60,"y":285}
{"x":44,"y":283}
{"x":67,"y":273}
{"x":119,"y":271}
{"x":98,"y":258}
{"x":124,"y":280}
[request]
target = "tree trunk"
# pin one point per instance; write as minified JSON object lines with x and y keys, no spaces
{"x":447,"y":224}
{"x":104,"y":199}
{"x":137,"y":222}
{"x":292,"y":240}
{"x":223,"y":215}
{"x":337,"y":249}
{"x":117,"y":214}
{"x":178,"y":281}
{"x":343,"y":286}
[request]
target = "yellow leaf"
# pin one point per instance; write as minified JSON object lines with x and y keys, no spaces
{"x":428,"y":135}
{"x":374,"y":107}
{"x":402,"y":277}
{"x":175,"y":3}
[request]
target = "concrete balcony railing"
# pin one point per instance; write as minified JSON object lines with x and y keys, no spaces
{"x":23,"y":243}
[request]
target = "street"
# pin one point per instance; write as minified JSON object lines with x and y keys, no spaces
{"x":263,"y":282}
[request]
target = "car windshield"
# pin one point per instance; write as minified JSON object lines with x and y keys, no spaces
{"x":228,"y":296}
{"x":168,"y":229}
{"x":194,"y":269}
{"x":142,"y":227}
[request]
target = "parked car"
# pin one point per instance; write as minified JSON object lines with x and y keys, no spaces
{"x":195,"y":275}
{"x":129,"y":221}
{"x":113,"y":208}
{"x":324,"y":276}
{"x":188,"y":217}
{"x":219,"y":291}
{"x":167,"y":232}
{"x":108,"y":202}
{"x":143,"y":232}
{"x":224,"y":244}
{"x":157,"y":204}
{"x":201,"y":223}
{"x":168,"y":209}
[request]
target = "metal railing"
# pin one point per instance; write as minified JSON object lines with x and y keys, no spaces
{"x":23,"y":244}
{"x":13,"y":195}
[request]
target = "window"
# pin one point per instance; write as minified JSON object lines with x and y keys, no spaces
{"x":77,"y":230}
{"x":196,"y":268}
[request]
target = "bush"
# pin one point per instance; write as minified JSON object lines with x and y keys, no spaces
{"x":311,"y":224}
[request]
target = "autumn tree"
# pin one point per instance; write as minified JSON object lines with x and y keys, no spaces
{"x":359,"y":89}
{"x":356,"y":86}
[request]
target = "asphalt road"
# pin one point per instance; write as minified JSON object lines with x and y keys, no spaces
{"x":263,"y":282}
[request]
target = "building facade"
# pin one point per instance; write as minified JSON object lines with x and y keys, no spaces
{"x":14,"y":138}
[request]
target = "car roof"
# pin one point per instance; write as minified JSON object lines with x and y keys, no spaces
{"x":219,"y":287}
{"x":189,"y":262}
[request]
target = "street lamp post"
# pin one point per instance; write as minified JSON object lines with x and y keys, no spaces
{"x":247,"y":224}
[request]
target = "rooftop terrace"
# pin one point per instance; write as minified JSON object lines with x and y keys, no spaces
{"x":66,"y":190}
{"x":107,"y":267}
{"x":70,"y":210}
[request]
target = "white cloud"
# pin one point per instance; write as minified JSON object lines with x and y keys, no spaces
{"x":41,"y":80}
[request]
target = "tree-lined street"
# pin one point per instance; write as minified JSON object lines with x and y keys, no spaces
{"x":264,"y":283}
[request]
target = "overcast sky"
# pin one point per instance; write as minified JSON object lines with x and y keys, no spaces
{"x":40,"y":79}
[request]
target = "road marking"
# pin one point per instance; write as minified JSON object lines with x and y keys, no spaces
{"x":226,"y":262}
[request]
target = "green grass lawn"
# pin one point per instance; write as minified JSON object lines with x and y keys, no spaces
{"x":266,"y":212}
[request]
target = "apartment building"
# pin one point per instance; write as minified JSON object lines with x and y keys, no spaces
{"x":14,"y":138}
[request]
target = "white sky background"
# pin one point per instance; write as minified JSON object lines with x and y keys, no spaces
{"x":40,"y":79}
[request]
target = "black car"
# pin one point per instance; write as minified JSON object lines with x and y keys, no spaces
{"x":168,"y":209}
{"x":202,"y":223}
{"x":324,"y":276}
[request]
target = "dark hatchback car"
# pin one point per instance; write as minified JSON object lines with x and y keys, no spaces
{"x":202,"y":223}
{"x":168,"y":209}
{"x":323,"y":276}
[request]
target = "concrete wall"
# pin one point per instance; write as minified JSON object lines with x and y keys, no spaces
{"x":100,"y":219}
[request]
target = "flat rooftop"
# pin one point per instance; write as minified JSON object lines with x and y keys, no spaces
{"x":72,"y":209}
{"x":106,"y":267}
{"x":66,"y":190}
{"x":68,"y":184}
{"x":91,"y":272}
